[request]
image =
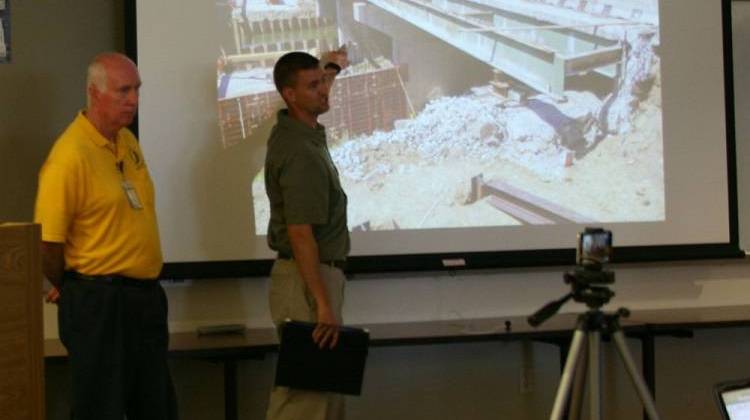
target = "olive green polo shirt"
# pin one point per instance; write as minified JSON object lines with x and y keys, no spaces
{"x":303,"y":187}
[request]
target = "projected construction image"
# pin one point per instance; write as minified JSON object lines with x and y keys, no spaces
{"x":465,"y":113}
{"x":4,"y":32}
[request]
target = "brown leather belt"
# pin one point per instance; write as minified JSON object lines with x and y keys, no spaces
{"x":340,"y":264}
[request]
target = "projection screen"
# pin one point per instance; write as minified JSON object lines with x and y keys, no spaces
{"x":484,"y":131}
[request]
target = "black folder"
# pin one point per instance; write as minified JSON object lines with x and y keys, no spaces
{"x":303,"y":365}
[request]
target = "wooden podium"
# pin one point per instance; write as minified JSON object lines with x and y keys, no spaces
{"x":21,"y":335}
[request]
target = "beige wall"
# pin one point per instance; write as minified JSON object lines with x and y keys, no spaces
{"x":43,"y":87}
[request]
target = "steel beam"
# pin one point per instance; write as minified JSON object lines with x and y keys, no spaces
{"x":530,"y":51}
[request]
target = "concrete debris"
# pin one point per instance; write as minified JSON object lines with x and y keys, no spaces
{"x":639,"y":74}
{"x":477,"y":127}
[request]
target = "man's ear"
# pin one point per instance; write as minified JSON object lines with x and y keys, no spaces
{"x":288,"y":94}
{"x":93,"y":92}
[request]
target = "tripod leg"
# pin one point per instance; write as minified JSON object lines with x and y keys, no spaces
{"x":595,"y":403}
{"x":635,"y":378}
{"x":579,"y":384}
{"x":566,"y":379}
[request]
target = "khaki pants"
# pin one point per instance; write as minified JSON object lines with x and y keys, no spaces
{"x":290,"y":298}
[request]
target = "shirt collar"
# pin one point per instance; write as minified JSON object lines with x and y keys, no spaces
{"x":94,"y":135}
{"x":317,"y":135}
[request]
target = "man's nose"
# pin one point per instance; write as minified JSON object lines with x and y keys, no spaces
{"x":324,"y":87}
{"x":132,"y":97}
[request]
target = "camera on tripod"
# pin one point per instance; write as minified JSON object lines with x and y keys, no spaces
{"x":588,"y":283}
{"x":589,"y":279}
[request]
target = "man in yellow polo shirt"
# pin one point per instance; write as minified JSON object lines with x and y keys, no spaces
{"x":101,"y":251}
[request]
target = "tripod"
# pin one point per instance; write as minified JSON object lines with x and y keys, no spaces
{"x":587,"y":288}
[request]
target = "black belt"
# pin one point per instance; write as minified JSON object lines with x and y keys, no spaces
{"x":113,"y":280}
{"x":340,"y":264}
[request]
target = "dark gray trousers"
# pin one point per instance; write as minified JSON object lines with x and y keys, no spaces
{"x":117,"y":338}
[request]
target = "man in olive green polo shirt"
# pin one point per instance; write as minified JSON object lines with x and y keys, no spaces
{"x":307,"y":227}
{"x":101,"y":251}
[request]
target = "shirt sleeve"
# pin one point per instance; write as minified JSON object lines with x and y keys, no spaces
{"x":304,"y":188}
{"x":55,"y":201}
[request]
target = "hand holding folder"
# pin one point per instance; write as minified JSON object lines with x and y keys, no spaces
{"x":302,"y":364}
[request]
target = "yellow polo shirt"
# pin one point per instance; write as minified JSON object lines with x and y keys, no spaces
{"x":81,"y":203}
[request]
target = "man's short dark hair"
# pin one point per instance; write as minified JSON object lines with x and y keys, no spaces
{"x":285,"y":70}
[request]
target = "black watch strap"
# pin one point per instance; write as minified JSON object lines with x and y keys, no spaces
{"x":334,"y":66}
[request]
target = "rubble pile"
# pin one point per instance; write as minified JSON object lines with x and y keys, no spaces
{"x":640,"y":73}
{"x":474,"y":127}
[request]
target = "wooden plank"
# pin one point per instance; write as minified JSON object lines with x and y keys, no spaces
{"x":535,"y":203}
{"x":21,"y":351}
{"x":517,"y":212}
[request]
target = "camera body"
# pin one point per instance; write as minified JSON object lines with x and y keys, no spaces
{"x":593,"y":251}
{"x":594,"y":248}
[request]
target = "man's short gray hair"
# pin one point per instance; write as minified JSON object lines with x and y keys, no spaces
{"x":96,"y":75}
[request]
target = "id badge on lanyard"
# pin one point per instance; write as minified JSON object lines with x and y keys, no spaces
{"x":129,"y":189}
{"x":131,"y":194}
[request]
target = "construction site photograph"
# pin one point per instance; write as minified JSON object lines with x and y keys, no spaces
{"x":464,"y":113}
{"x":4,"y":31}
